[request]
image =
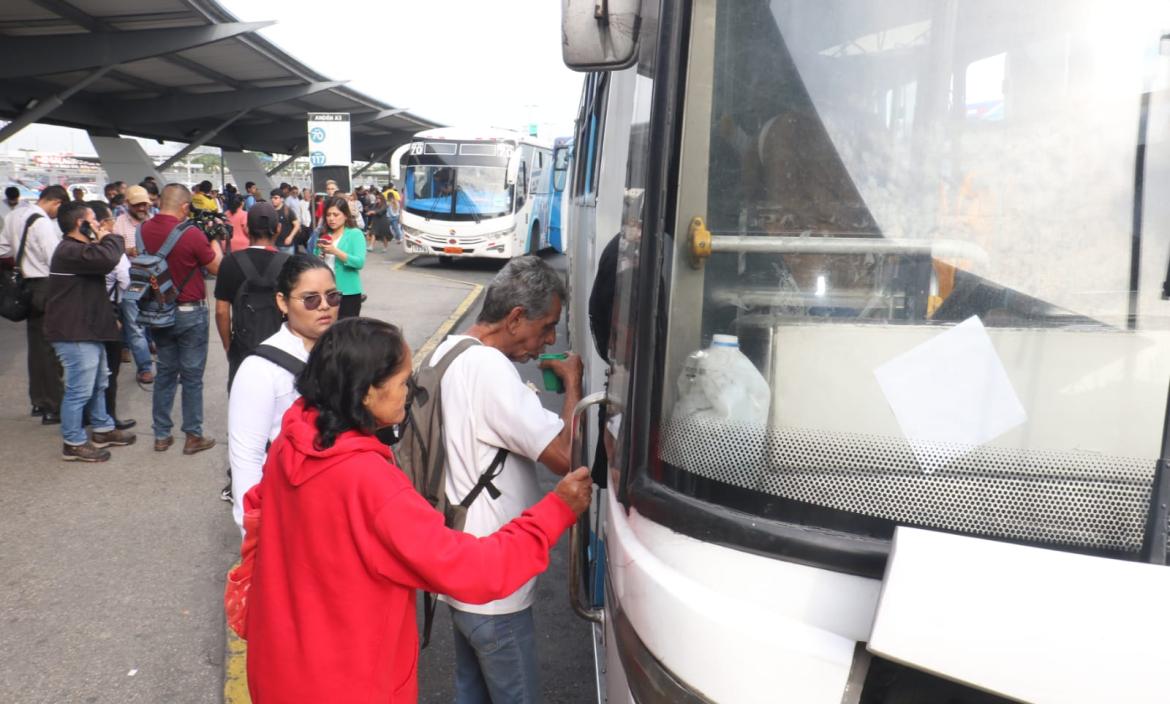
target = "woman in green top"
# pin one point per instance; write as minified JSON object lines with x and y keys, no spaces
{"x":344,"y":248}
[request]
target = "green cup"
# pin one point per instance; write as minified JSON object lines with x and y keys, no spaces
{"x":552,"y":382}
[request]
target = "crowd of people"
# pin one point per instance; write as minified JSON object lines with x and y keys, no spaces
{"x":336,"y":541}
{"x":206,"y":226}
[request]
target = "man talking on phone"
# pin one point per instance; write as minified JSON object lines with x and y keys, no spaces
{"x":79,"y":320}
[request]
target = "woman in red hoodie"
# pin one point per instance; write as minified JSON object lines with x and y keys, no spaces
{"x":344,"y":540}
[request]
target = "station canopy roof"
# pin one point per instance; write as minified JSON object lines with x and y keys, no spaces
{"x":181,"y":70}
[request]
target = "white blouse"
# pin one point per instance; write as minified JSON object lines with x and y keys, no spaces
{"x":261,"y":393}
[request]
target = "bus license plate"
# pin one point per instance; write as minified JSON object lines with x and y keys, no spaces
{"x":452,"y":250}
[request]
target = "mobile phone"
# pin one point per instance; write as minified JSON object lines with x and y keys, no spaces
{"x":87,"y":230}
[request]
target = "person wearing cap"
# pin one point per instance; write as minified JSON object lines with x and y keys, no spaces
{"x":138,"y":211}
{"x":261,"y":254}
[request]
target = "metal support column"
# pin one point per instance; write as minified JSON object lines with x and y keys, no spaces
{"x":373,"y":161}
{"x":287,"y":162}
{"x":50,"y":104}
{"x":200,"y":141}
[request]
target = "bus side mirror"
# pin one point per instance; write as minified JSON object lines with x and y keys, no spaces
{"x":396,"y":162}
{"x":600,"y":35}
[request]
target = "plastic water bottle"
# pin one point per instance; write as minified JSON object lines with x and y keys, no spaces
{"x":721,"y":384}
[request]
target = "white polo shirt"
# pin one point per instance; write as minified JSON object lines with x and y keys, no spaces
{"x":43,"y":238}
{"x":261,"y":393}
{"x":487,"y":406}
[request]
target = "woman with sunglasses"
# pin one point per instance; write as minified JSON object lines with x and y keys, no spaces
{"x":344,"y":540}
{"x":264,"y":386}
{"x":344,"y":247}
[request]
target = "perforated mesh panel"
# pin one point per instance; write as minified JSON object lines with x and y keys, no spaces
{"x":1063,"y":498}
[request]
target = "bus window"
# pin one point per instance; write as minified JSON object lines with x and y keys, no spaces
{"x":590,"y":127}
{"x":927,"y":301}
{"x":561,"y":168}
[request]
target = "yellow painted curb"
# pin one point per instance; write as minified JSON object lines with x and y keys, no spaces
{"x":404,"y":262}
{"x":451,"y":321}
{"x":235,"y":671}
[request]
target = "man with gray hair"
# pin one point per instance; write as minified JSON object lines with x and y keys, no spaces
{"x":495,"y":430}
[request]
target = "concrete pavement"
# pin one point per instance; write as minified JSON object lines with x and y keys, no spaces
{"x":111,"y":575}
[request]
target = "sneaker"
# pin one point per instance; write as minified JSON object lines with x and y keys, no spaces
{"x":226,"y":494}
{"x":50,"y":418}
{"x":84,"y":453}
{"x":197,"y":443}
{"x":125,"y":355}
{"x":114,"y":437}
{"x":163,"y":444}
{"x":145,"y":377}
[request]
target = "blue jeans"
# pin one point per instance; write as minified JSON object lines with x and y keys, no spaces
{"x":86,"y":378}
{"x":133,"y":336}
{"x":495,"y":658}
{"x":396,"y":228}
{"x":182,"y":357}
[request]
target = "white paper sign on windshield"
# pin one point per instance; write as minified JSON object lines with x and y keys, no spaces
{"x":951,"y":394}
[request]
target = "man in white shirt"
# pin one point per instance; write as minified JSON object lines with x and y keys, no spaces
{"x":45,"y":387}
{"x":487,"y":407}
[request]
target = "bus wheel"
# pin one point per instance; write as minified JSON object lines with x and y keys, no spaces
{"x":446,"y":261}
{"x":534,"y":239}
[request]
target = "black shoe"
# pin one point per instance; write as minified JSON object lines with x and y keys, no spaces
{"x":51,"y":418}
{"x":125,"y":424}
{"x":37,"y":411}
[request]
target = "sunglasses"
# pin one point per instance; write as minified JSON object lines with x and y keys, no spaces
{"x":313,"y":300}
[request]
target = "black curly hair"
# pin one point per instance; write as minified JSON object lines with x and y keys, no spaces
{"x":353,"y":355}
{"x":293,"y":267}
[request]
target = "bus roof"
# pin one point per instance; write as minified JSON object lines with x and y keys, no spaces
{"x":484,"y":134}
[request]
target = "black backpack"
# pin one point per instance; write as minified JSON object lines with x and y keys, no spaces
{"x":255,"y":316}
{"x":15,"y":296}
{"x":422,"y":454}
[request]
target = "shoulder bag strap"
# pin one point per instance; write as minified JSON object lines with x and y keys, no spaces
{"x":24,"y":239}
{"x":138,"y":239}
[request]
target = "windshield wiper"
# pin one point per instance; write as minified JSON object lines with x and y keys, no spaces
{"x":474,"y":211}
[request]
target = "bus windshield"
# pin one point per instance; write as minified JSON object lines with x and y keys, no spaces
{"x":458,"y":187}
{"x":934,"y":293}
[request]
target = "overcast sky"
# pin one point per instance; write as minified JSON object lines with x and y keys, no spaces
{"x":459,"y":62}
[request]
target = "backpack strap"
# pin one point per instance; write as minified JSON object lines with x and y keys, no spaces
{"x":275,"y":264}
{"x":280,"y":358}
{"x":24,"y":239}
{"x":440,"y":368}
{"x":138,"y":239}
{"x":485,"y":480}
{"x":247,"y":266}
{"x":171,"y":240}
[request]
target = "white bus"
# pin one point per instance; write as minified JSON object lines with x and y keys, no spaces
{"x":939,"y":231}
{"x":472,"y":193}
